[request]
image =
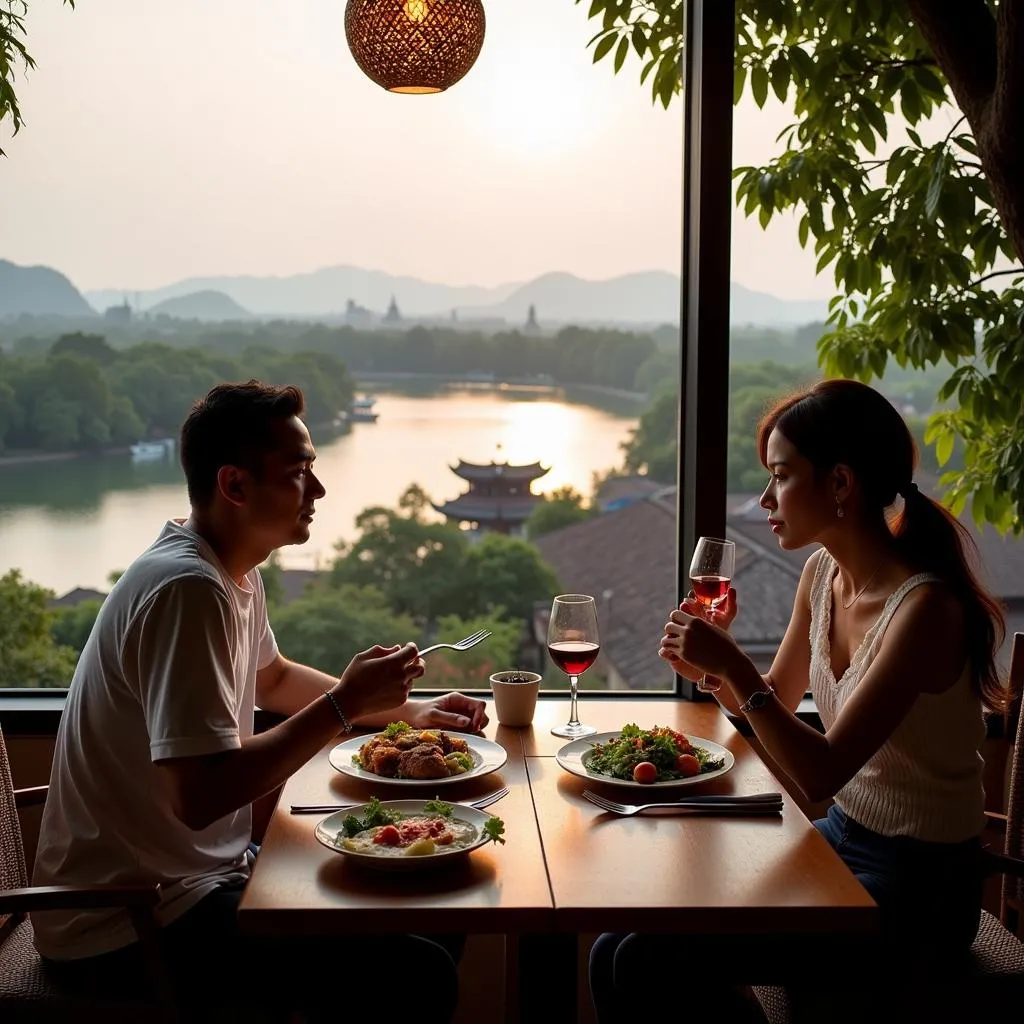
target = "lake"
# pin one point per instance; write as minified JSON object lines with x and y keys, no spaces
{"x":70,"y":523}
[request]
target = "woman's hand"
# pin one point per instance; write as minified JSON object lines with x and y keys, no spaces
{"x":722,"y":616}
{"x":698,"y":646}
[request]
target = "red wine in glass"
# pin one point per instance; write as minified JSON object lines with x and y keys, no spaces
{"x":574,"y":644}
{"x":711,"y":571}
{"x":710,"y":590}
{"x":574,"y":657}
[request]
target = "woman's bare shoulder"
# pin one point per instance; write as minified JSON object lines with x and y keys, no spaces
{"x":810,"y":569}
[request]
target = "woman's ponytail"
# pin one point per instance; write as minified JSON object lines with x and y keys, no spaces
{"x":932,"y":540}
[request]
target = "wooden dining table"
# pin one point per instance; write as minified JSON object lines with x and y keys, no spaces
{"x":567,"y":867}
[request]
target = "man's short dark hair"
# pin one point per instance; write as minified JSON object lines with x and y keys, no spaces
{"x":232,"y":426}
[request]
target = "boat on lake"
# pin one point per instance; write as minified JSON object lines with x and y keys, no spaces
{"x":145,"y":451}
{"x":361,"y":410}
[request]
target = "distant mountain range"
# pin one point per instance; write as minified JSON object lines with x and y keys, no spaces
{"x":643,"y":298}
{"x":38,"y":291}
{"x":204,"y":305}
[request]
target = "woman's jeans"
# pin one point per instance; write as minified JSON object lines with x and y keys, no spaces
{"x":928,"y":894}
{"x":929,"y":899}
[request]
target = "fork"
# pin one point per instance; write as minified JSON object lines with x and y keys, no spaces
{"x":479,"y":804}
{"x":761,"y":803}
{"x":463,"y":645}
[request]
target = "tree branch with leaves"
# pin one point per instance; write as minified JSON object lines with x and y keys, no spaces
{"x":14,"y":58}
{"x":922,"y":229}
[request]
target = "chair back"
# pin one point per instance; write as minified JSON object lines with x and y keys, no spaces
{"x":1011,"y":909}
{"x":12,"y":854}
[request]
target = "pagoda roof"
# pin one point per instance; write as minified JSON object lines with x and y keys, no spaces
{"x":473,"y":508}
{"x":499,"y":470}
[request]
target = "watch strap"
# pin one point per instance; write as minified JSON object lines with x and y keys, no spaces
{"x":757,"y":699}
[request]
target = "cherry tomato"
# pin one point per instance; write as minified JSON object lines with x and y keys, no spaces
{"x":687,"y":764}
{"x":645,"y":772}
{"x":388,"y":836}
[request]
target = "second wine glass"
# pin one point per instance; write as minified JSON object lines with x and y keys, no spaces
{"x":711,"y":569}
{"x":574,"y":644}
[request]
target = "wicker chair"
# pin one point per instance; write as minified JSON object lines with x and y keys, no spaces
{"x":28,"y":991}
{"x":991,"y":986}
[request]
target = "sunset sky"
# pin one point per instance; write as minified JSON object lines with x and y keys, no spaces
{"x":166,"y":140}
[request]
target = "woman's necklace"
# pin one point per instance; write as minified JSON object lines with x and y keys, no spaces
{"x":870,"y":579}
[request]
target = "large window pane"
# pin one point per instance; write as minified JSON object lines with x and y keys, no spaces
{"x":477,"y":292}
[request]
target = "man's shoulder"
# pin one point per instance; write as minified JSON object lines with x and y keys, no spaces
{"x":175,"y":558}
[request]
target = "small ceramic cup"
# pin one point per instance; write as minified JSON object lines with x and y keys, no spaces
{"x":515,"y":697}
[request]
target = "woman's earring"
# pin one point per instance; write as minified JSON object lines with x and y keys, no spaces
{"x":839,"y":509}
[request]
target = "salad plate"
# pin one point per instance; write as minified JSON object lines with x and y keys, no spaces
{"x":611,"y":757}
{"x":420,"y":833}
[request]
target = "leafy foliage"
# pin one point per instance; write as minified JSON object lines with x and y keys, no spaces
{"x":13,"y":55}
{"x":651,"y":448}
{"x":29,"y":655}
{"x":84,"y":394}
{"x":327,"y":626}
{"x":426,"y":569}
{"x":904,"y":192}
{"x":70,"y":627}
{"x":562,"y":507}
{"x":454,"y":669}
{"x":652,"y":444}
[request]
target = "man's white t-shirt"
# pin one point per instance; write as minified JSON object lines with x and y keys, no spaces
{"x":169,"y":670}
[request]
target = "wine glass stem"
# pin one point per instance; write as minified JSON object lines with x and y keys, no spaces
{"x":574,"y":717}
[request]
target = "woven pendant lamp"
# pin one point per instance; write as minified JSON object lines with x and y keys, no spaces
{"x":415,"y":46}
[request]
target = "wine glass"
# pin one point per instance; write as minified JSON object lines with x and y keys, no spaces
{"x":711,"y":569}
{"x":574,"y":644}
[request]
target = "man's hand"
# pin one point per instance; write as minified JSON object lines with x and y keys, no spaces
{"x":379,"y":679}
{"x":450,"y":711}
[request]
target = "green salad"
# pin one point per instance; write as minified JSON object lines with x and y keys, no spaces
{"x":650,"y":755}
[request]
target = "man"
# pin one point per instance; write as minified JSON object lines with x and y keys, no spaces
{"x":156,"y":765}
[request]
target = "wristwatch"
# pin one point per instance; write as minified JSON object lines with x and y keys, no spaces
{"x":757,"y":700}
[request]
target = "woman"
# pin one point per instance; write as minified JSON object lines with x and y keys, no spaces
{"x":896,"y":639}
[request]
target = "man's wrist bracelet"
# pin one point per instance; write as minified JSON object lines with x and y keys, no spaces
{"x":346,"y":725}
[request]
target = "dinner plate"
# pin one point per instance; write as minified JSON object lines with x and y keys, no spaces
{"x":329,"y":832}
{"x":573,"y":758}
{"x":487,"y":757}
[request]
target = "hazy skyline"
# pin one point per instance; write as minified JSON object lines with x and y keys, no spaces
{"x":165,"y":141}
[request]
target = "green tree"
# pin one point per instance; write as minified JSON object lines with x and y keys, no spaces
{"x":922,"y":226}
{"x":72,"y":625}
{"x":13,"y":56}
{"x":9,"y":410}
{"x":504,"y":573}
{"x":468,"y":669}
{"x":29,"y":655}
{"x":415,"y":563}
{"x":273,"y":580}
{"x":652,"y":444}
{"x":329,"y":625}
{"x":562,"y":507}
{"x":88,"y":346}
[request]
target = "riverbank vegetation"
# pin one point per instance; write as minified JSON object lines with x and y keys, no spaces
{"x":406,"y":575}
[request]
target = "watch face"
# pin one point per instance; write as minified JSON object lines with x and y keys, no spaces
{"x":758,"y":700}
